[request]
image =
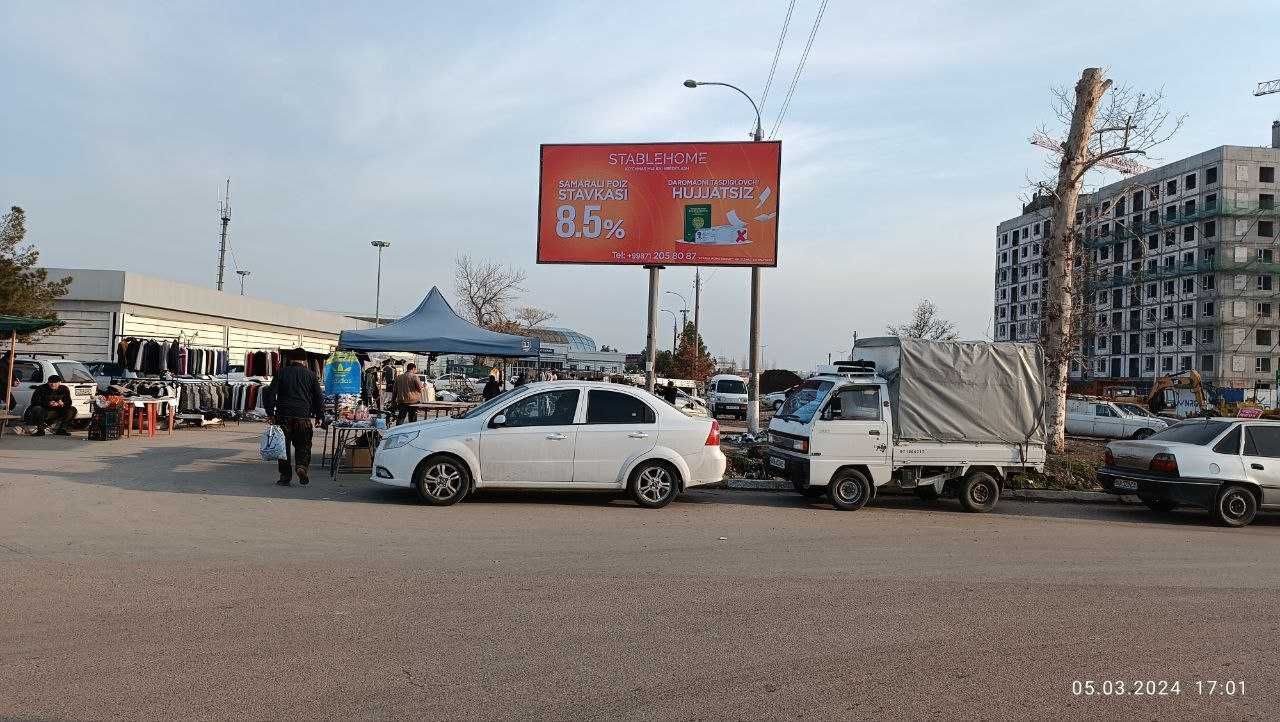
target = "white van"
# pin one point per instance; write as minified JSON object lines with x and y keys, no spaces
{"x":1105,"y":420}
{"x":727,"y":396}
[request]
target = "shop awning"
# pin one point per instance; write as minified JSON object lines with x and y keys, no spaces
{"x":24,"y":325}
{"x":434,"y":327}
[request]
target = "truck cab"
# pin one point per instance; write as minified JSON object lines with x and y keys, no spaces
{"x":829,"y":421}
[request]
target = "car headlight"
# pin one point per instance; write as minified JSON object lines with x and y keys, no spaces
{"x":395,"y":441}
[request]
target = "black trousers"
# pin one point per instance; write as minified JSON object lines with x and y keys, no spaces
{"x":297,"y":444}
{"x":42,"y":417}
{"x":405,"y":411}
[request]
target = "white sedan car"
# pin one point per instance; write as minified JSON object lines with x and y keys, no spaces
{"x":556,"y":435}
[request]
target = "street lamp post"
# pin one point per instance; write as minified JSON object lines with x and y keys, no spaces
{"x":753,"y":352}
{"x":243,"y":274}
{"x":377,"y":297}
{"x":674,"y":320}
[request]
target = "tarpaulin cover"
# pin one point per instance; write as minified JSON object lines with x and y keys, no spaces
{"x":433,"y":327}
{"x":970,"y":391}
{"x":25,"y":325}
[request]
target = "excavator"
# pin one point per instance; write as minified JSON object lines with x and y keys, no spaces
{"x":1162,"y":402}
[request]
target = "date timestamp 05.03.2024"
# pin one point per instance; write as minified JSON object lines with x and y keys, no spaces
{"x":1157,"y":687}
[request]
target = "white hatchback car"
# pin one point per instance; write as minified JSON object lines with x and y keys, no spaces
{"x":563,"y":435}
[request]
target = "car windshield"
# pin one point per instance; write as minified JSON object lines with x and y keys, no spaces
{"x":731,"y":386}
{"x":486,"y":406}
{"x":1199,"y":433}
{"x":73,"y":373}
{"x":803,"y":403}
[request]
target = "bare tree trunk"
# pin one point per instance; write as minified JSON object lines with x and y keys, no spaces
{"x":1059,"y":311}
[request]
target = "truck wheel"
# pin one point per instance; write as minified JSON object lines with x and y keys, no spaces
{"x":929,"y":492}
{"x":850,"y":490}
{"x":979,"y":492}
{"x":1235,"y":507}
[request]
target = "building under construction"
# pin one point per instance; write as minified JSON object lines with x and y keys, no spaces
{"x":1179,"y":269}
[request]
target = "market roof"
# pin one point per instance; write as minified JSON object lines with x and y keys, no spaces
{"x":25,"y":324}
{"x":434,"y":327}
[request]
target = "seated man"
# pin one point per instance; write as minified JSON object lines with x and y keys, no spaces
{"x":51,"y":403}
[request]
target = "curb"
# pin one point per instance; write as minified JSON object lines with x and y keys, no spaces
{"x":1069,"y":496}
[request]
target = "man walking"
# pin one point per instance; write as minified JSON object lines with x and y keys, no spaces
{"x":51,"y":403}
{"x":407,"y":391}
{"x":295,"y":403}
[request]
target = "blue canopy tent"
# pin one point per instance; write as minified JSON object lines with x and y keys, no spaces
{"x":434,"y":328}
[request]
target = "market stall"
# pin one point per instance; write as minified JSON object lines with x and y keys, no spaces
{"x":431,"y":328}
{"x":12,"y":326}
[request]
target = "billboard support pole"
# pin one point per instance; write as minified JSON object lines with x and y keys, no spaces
{"x":651,"y":340}
{"x":753,"y":360}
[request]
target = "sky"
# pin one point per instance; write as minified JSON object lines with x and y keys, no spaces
{"x":904,"y":145}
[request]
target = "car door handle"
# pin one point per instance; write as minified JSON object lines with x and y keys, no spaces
{"x":1256,"y":466}
{"x":557,"y":437}
{"x":638,"y":435}
{"x":874,"y":432}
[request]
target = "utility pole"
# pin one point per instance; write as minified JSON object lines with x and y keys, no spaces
{"x":224,"y":214}
{"x":243,"y":274}
{"x":697,"y":304}
{"x":1059,"y":336}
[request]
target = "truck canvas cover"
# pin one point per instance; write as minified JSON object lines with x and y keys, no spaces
{"x":961,"y":391}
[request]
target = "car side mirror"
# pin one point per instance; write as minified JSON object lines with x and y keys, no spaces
{"x":499,"y":420}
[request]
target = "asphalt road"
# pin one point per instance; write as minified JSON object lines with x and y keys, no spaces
{"x":170,"y":578}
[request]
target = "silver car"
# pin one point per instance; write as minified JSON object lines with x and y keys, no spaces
{"x":1229,"y":466}
{"x":1103,"y":419}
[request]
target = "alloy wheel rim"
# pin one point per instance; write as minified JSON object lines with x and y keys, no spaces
{"x":654,"y":484}
{"x":441,"y":481}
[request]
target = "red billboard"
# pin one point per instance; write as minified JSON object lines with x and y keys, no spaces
{"x":670,"y":204}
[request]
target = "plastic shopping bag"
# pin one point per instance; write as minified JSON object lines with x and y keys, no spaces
{"x":271,"y":445}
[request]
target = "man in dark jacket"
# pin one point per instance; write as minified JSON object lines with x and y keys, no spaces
{"x":51,"y":403}
{"x":491,"y":387}
{"x":670,"y":392}
{"x":295,"y":403}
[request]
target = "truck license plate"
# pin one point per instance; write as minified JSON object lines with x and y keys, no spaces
{"x":777,"y":463}
{"x":1126,"y":484}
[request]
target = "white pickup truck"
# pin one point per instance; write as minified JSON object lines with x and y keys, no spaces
{"x":938,"y":417}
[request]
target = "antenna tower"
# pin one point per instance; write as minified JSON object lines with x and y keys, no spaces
{"x":224,"y":214}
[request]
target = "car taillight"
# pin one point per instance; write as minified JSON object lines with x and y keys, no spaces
{"x":802,"y":445}
{"x":713,"y":436}
{"x":1108,"y":458}
{"x":1164,"y":464}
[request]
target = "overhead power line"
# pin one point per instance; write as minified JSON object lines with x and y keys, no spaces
{"x":777,"y":53}
{"x":795,"y":79}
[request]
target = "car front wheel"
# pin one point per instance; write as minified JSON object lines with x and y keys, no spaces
{"x":441,"y":481}
{"x":654,"y":485}
{"x":850,"y":490}
{"x":1235,"y":507}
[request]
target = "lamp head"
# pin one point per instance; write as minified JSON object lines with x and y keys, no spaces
{"x":380,"y":244}
{"x":690,"y":83}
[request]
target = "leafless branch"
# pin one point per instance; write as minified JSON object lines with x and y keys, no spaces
{"x":487,"y":289}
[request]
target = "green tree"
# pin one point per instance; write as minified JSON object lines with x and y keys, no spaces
{"x":692,"y":361}
{"x":25,"y":288}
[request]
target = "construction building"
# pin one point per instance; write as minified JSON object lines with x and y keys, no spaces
{"x":1179,"y":271}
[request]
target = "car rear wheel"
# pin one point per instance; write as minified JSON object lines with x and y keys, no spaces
{"x":850,"y":490}
{"x":441,"y":481}
{"x":654,"y":485}
{"x":979,"y":492}
{"x":1235,"y":506}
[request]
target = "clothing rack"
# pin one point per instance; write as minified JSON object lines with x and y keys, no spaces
{"x":158,"y":355}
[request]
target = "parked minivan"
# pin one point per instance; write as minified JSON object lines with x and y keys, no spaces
{"x":727,"y":396}
{"x":1103,"y":419}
